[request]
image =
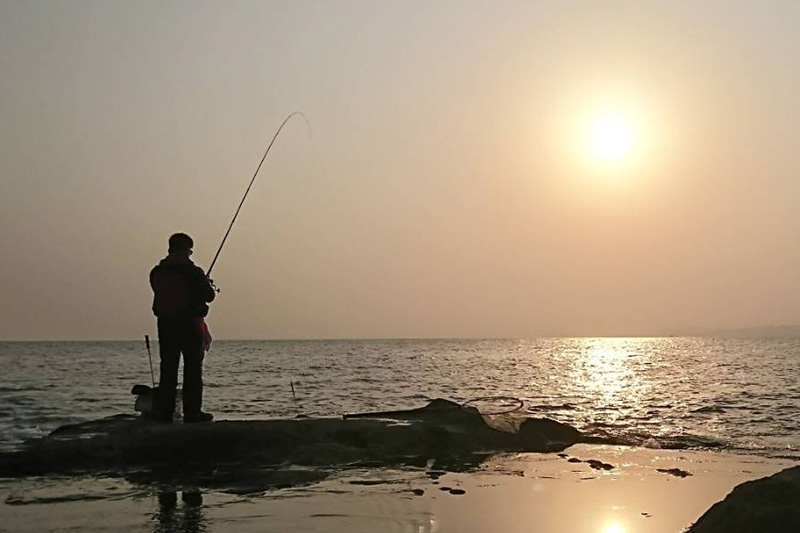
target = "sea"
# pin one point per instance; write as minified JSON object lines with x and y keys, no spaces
{"x":737,"y":395}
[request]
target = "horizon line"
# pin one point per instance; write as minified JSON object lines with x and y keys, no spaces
{"x":709,"y":334}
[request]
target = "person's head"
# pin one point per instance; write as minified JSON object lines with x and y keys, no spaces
{"x":181,"y":243}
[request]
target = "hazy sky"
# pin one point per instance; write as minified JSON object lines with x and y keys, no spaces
{"x":448,"y":189}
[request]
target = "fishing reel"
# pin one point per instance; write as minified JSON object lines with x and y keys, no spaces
{"x":213,"y":285}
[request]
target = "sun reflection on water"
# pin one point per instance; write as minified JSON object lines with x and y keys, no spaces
{"x":610,"y":374}
{"x":605,"y":368}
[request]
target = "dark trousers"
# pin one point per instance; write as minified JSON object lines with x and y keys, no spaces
{"x":176,"y":336}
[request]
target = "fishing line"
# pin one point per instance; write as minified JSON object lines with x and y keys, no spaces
{"x":241,"y":203}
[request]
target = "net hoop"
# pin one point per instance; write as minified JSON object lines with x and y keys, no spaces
{"x":511,"y":399}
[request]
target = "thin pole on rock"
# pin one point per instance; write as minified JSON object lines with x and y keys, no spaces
{"x":150,"y":358}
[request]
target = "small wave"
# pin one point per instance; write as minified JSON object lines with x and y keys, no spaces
{"x":790,"y":457}
{"x":659,"y":442}
{"x":16,"y":499}
{"x":709,"y":409}
{"x":54,"y":490}
{"x":685,"y":442}
{"x":562,"y":407}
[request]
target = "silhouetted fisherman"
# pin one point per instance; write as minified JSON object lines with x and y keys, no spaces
{"x":181,"y":293}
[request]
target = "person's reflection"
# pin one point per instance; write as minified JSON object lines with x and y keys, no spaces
{"x":188,"y":518}
{"x":193,"y":511}
{"x":167,"y":501}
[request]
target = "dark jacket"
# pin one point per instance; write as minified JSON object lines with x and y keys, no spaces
{"x":180,"y":288}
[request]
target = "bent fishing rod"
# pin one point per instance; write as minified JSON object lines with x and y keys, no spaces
{"x":252,"y":180}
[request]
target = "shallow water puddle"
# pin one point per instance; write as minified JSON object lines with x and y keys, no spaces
{"x":510,"y":493}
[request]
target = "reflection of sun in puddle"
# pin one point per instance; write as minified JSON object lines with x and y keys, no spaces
{"x":614,"y":527}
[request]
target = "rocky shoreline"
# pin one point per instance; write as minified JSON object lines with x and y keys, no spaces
{"x":244,"y":457}
{"x":767,"y":505}
{"x":441,"y":432}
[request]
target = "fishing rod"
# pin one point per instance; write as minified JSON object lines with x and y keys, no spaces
{"x":241,"y":203}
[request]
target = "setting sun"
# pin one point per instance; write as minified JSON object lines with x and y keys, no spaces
{"x":611,"y":137}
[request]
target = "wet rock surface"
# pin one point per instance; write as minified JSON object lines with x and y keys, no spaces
{"x":595,"y":464}
{"x":768,"y":505}
{"x":677,"y":472}
{"x":280,"y":452}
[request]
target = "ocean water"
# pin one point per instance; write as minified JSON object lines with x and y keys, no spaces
{"x":726,"y":394}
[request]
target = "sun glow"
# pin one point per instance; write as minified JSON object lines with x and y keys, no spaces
{"x":611,"y":137}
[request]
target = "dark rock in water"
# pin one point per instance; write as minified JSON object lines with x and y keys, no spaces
{"x":457,"y":492}
{"x":367,"y":482}
{"x":453,"y":438}
{"x":599,"y":465}
{"x":677,"y":472}
{"x":548,"y":435}
{"x":418,"y":492}
{"x":593,"y":463}
{"x":768,"y":505}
